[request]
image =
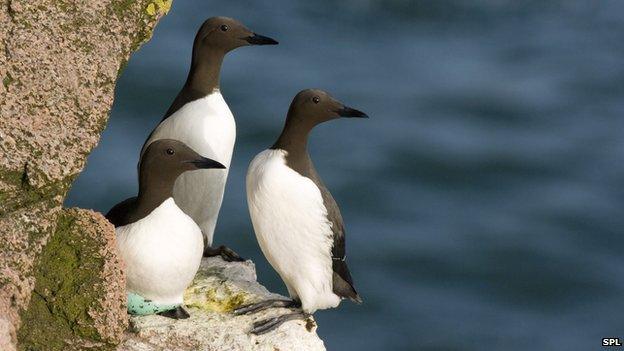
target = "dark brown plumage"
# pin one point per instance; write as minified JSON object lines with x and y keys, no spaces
{"x":163,"y":161}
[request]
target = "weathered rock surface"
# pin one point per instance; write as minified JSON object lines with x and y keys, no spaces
{"x":79,"y":296}
{"x":59,"y":61}
{"x":218,"y":288}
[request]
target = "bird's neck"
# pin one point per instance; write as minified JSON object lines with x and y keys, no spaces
{"x":153,"y":191}
{"x":294,"y":138}
{"x":204,"y":76}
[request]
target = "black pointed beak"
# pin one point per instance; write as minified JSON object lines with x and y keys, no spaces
{"x":257,"y":39}
{"x":346,"y":111}
{"x":204,"y":163}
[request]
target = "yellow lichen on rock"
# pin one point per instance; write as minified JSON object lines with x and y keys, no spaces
{"x":159,"y":7}
{"x":212,"y":299}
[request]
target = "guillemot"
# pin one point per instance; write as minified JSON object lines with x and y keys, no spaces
{"x":200,"y":117}
{"x":160,"y":245}
{"x":296,"y":220}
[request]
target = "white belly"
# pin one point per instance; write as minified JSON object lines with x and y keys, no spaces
{"x":290,"y":221}
{"x":161,"y":252}
{"x":207,"y":126}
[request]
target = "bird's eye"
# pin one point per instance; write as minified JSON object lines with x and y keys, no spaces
{"x":224,"y":27}
{"x":170,"y":151}
{"x":316,"y":99}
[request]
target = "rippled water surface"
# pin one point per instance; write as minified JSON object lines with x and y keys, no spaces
{"x":483,"y":199}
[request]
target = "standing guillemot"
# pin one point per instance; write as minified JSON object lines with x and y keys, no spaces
{"x":201,"y":118}
{"x":160,"y":245}
{"x":296,"y":219}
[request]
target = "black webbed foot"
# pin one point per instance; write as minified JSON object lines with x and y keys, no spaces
{"x":266,"y":325}
{"x":263,"y":305}
{"x":178,"y":313}
{"x":225,"y":252}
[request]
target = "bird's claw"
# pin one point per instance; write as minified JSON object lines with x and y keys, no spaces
{"x":266,"y":325}
{"x":225,"y":252}
{"x":263,"y":305}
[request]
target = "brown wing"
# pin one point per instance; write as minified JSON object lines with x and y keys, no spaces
{"x":119,"y":215}
{"x":342,"y":281}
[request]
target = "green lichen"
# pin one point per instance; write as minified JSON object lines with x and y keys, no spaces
{"x":24,"y":195}
{"x":7,"y":80}
{"x":65,"y":6}
{"x":85,"y":46}
{"x":121,"y":7}
{"x":64,"y":292}
{"x":11,"y":177}
{"x":122,"y":67}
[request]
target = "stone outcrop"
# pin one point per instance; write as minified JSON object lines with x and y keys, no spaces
{"x":61,"y":281}
{"x":59,"y":61}
{"x":218,"y":288}
{"x":79,"y":296}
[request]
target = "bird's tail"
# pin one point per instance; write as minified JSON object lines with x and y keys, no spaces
{"x":357,"y":299}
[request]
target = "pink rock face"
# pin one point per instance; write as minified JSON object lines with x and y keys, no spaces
{"x":59,"y":62}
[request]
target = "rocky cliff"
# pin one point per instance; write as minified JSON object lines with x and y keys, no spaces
{"x":61,"y":282}
{"x":59,"y":60}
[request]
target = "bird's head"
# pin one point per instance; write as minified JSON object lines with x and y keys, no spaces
{"x":224,"y":34}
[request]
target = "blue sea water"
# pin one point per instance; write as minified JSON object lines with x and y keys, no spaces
{"x":483,"y":199}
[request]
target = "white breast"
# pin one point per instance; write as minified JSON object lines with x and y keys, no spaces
{"x":207,"y":126}
{"x":161,"y":252}
{"x":290,"y":221}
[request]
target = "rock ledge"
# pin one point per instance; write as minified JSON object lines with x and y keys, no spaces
{"x":218,"y":288}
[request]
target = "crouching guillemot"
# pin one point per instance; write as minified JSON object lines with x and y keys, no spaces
{"x":297,"y":222}
{"x":200,"y":117}
{"x":160,"y":245}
